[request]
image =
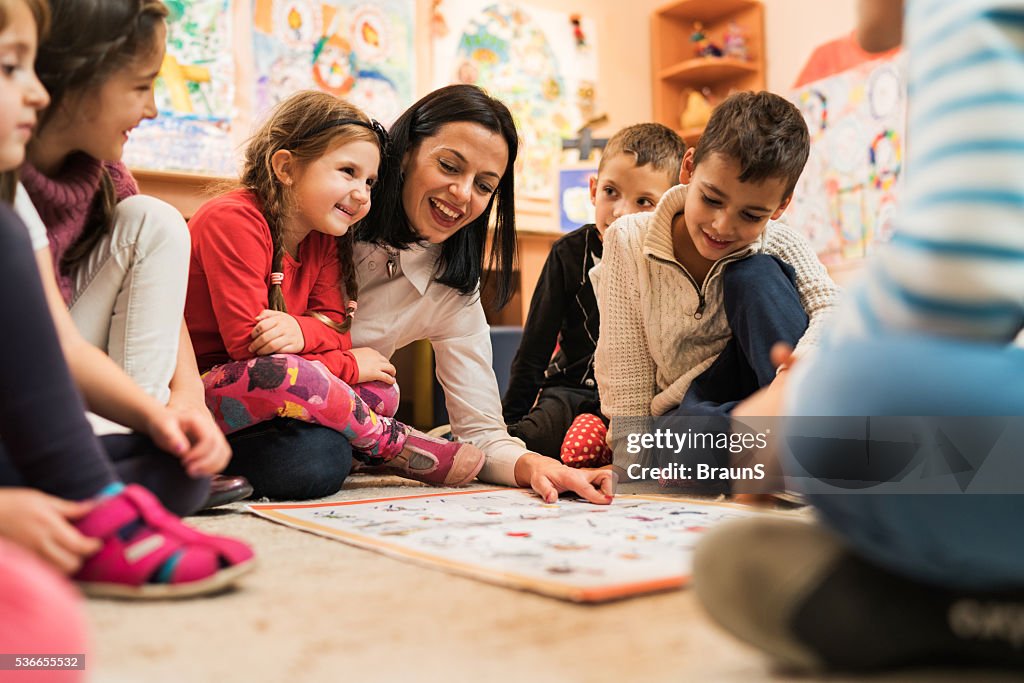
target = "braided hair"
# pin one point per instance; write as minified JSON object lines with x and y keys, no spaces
{"x":308,"y":124}
{"x":88,"y":42}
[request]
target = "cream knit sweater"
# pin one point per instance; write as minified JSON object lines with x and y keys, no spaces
{"x":653,"y":339}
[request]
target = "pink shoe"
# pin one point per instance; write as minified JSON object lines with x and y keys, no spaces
{"x":381,"y":398}
{"x":586,"y":443}
{"x":433,"y":461}
{"x":150,"y":553}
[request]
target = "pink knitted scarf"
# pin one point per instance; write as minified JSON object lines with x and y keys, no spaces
{"x":64,"y":201}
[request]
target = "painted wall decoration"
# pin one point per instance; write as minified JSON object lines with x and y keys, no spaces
{"x":848,"y":192}
{"x":574,"y":205}
{"x":571,"y":549}
{"x":194,"y":94}
{"x":356,"y":49}
{"x":533,"y":60}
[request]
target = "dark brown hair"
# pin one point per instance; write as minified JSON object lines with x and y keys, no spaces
{"x":763,"y":132}
{"x":89,"y":41}
{"x":461,"y":263}
{"x":302,"y":125}
{"x":649,"y":143}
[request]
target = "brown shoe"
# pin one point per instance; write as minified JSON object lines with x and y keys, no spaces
{"x":226,"y":489}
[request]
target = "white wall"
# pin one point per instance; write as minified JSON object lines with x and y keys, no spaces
{"x":793,"y":28}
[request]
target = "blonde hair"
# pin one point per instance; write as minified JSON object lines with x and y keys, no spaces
{"x":307,"y":125}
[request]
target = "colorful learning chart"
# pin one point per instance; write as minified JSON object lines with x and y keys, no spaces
{"x":571,"y":549}
{"x":847,"y":195}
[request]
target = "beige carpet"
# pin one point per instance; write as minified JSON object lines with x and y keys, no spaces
{"x":316,"y":609}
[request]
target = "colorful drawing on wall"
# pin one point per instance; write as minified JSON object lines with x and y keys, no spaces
{"x":574,"y":205}
{"x":846,"y":196}
{"x":571,"y":549}
{"x":194,"y":94}
{"x":531,"y":59}
{"x":359,"y":50}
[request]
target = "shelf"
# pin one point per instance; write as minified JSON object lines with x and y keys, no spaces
{"x":708,"y":70}
{"x":184,"y":191}
{"x":704,"y":10}
{"x":675,"y":69}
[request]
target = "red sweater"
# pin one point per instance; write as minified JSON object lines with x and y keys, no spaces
{"x":229,"y":280}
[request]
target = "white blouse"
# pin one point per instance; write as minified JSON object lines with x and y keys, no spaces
{"x":408,"y":306}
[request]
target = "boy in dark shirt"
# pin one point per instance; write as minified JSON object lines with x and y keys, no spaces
{"x":640,"y":163}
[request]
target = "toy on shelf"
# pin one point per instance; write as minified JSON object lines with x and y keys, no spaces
{"x":735,"y":42}
{"x":577,"y":30}
{"x":697,"y":111}
{"x":702,"y":47}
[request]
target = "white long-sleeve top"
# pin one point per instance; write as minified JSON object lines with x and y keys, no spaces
{"x":659,"y":329}
{"x":409,"y":306}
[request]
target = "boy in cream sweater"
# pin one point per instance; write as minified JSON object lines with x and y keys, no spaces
{"x":694,"y":295}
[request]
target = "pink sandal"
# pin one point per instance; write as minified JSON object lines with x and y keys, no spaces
{"x":438,"y":462}
{"x":150,"y":553}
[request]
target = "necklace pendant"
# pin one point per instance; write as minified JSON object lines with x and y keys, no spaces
{"x":390,"y":267}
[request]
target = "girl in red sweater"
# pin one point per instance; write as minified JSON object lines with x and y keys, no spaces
{"x":272,"y":292}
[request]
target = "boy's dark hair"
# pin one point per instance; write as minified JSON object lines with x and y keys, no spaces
{"x":650,"y":143}
{"x":462,"y":261}
{"x":764,"y":133}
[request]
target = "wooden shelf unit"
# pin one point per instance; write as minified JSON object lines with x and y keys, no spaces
{"x":676,"y":69}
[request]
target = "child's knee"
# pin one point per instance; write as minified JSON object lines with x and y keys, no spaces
{"x":752,"y":274}
{"x":153,"y":226}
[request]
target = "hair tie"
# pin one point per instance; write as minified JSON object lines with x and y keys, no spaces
{"x":276,"y":279}
{"x":350,"y":308}
{"x":383,"y":139}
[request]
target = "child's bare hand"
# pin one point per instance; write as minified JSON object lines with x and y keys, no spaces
{"x":208,"y":451}
{"x":276,"y":332}
{"x":373,"y":366}
{"x":42,"y":524}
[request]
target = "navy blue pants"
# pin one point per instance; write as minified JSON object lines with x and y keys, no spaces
{"x":287,"y":459}
{"x":45,"y":441}
{"x":763,"y":308}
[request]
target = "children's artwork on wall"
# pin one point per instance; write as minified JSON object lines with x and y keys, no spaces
{"x":194,"y":94}
{"x":356,"y":49}
{"x":533,"y":60}
{"x":574,"y":205}
{"x":571,"y":549}
{"x":846,"y":196}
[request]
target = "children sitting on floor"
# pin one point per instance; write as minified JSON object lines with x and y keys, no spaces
{"x":272,"y":293}
{"x":694,"y":295}
{"x":639,"y":164}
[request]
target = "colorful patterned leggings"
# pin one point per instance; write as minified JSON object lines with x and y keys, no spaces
{"x":244,"y":393}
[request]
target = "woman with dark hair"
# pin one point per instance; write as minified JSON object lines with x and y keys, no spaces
{"x":420,"y":258}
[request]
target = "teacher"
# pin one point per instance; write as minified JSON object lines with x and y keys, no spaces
{"x":420,"y":254}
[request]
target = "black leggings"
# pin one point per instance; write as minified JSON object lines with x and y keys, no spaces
{"x":47,"y":443}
